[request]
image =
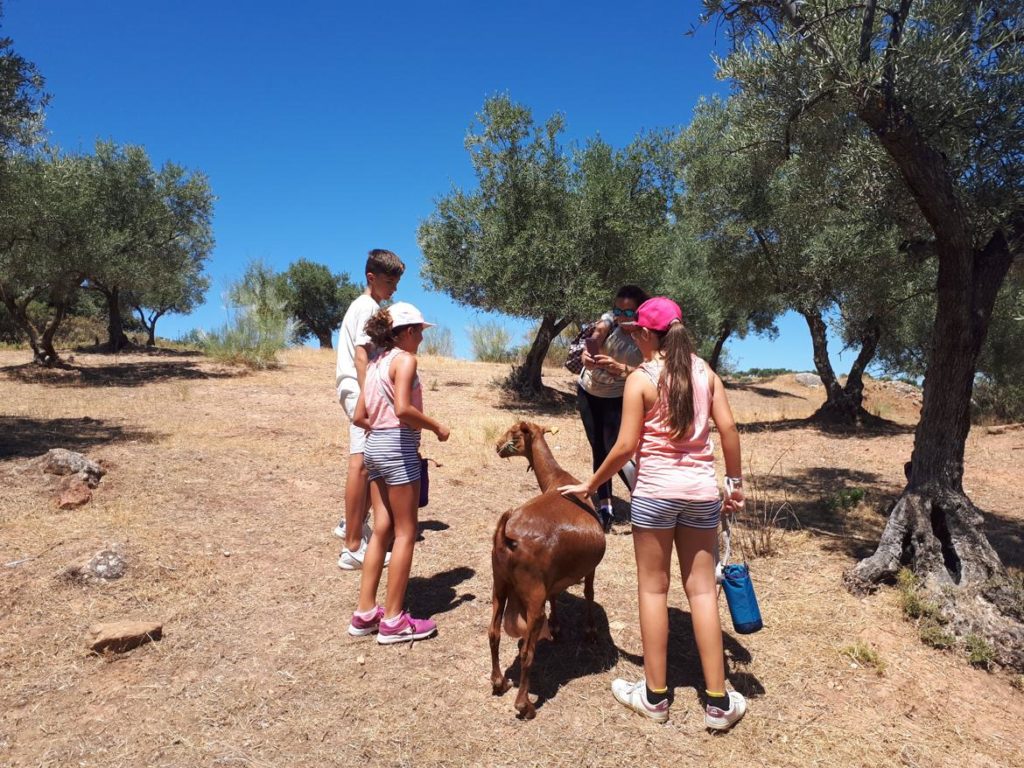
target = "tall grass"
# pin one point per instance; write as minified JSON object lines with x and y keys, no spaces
{"x":491,"y":343}
{"x":438,"y":341}
{"x":258,"y":324}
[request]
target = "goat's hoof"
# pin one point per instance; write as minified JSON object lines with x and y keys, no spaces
{"x":499,"y":687}
{"x":526,"y":711}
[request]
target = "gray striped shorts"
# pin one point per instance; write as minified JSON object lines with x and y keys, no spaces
{"x":393,"y":454}
{"x":670,"y":513}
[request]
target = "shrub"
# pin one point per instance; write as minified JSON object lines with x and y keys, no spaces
{"x":864,"y":655}
{"x":491,"y":343}
{"x":845,"y":498}
{"x":764,"y":519}
{"x":259,"y":325}
{"x":913,"y":605}
{"x":932,"y":633}
{"x":979,"y":652}
{"x":438,"y":341}
{"x":997,"y":402}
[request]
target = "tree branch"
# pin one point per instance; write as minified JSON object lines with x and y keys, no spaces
{"x":866,"y":30}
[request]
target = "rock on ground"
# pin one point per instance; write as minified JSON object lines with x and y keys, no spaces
{"x":73,"y":492}
{"x":121,"y":636}
{"x":808,"y":379}
{"x":60,"y":461}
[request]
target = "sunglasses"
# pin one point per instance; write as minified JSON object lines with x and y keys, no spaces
{"x":630,"y":313}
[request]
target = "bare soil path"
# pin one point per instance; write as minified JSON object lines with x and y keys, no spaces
{"x":223,"y":489}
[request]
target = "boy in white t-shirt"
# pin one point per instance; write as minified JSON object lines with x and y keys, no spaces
{"x":355,"y":350}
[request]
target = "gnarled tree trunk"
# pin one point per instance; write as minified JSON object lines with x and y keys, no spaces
{"x":716,"y":354}
{"x":844,"y":404}
{"x":526,"y":378}
{"x":934,"y":527}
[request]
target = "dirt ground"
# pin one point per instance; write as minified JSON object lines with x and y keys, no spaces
{"x":223,"y":489}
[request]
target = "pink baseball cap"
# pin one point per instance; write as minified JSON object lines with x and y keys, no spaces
{"x":656,"y":314}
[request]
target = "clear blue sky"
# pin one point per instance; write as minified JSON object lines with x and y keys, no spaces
{"x":329,"y":128}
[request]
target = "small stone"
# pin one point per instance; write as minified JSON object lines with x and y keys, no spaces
{"x":107,"y":565}
{"x":361,"y":659}
{"x":73,"y":493}
{"x":121,"y":636}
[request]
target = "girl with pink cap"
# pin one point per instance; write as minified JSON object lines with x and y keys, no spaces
{"x":669,"y":403}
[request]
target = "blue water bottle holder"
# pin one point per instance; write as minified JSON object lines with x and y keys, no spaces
{"x":736,"y":583}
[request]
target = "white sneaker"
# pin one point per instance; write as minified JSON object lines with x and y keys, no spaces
{"x":340,"y":529}
{"x":724,"y":719}
{"x":634,"y":696}
{"x":353,"y":561}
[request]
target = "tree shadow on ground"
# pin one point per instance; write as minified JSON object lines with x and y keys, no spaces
{"x":134,"y":374}
{"x":1006,"y":536}
{"x":431,"y":595}
{"x":761,"y":390}
{"x":430,"y":525}
{"x":92,"y":349}
{"x":24,"y":437}
{"x":570,"y":657}
{"x":876,"y":427}
{"x":684,"y":670}
{"x":550,"y":402}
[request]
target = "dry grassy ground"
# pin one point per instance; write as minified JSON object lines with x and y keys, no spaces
{"x":223,"y":489}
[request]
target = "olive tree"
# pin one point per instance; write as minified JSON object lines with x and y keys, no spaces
{"x":548,"y":233}
{"x":938,"y":86}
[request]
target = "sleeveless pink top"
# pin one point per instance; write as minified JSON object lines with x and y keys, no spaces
{"x":670,"y":468}
{"x":379,"y":392}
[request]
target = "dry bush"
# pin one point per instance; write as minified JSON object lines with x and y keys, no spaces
{"x":767,"y":515}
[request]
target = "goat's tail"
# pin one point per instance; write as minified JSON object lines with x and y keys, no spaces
{"x":503,"y":544}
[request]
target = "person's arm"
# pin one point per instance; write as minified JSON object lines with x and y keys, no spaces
{"x":404,"y":369}
{"x":362,"y":359}
{"x":360,"y":417}
{"x":630,"y":428}
{"x":729,"y":435}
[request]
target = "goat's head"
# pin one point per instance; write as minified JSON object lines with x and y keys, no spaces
{"x":517,"y":439}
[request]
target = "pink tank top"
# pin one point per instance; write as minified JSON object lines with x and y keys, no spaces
{"x":379,"y":392}
{"x":670,"y":468}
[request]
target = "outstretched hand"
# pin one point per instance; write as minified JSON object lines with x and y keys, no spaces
{"x":580,"y":489}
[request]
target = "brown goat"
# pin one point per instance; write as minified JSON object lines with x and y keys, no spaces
{"x":540,"y":549}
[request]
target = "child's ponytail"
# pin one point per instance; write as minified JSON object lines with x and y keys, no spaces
{"x":379,"y":329}
{"x":678,"y":349}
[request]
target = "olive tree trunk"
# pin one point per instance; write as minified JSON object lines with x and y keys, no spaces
{"x":526,"y":379}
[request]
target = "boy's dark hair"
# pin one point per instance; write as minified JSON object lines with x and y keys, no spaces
{"x":381,"y":262}
{"x":632,"y":293}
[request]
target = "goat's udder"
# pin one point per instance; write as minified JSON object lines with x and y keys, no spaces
{"x":514,"y":623}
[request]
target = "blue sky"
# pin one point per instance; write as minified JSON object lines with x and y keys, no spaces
{"x":329,"y":128}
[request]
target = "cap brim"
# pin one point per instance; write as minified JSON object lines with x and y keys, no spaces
{"x":426,"y":325}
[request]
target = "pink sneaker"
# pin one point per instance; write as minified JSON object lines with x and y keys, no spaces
{"x":405,"y":628}
{"x":360,"y":627}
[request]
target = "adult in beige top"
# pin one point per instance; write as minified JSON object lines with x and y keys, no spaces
{"x":602,"y":381}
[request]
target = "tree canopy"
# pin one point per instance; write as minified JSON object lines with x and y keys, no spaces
{"x":549,"y":233}
{"x":317,"y":299}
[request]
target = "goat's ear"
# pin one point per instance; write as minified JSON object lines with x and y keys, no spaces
{"x":552,"y":430}
{"x":524,"y":426}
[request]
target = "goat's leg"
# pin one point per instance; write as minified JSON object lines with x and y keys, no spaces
{"x":534,"y":623}
{"x":554,"y":628}
{"x":590,"y":628}
{"x":499,"y":683}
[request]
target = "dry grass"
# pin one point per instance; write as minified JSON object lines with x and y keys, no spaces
{"x":222,"y":492}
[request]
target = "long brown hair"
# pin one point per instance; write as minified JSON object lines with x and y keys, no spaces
{"x":677,"y":377}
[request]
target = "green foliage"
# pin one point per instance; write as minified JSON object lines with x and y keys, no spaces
{"x":979,"y":652}
{"x":491,"y":343}
{"x":763,"y":373}
{"x":932,"y":633}
{"x":22,"y":100}
{"x":438,"y":341}
{"x":844,"y":499}
{"x":317,"y":299}
{"x":259,"y":326}
{"x":911,"y":602}
{"x":548,"y":233}
{"x":864,"y":655}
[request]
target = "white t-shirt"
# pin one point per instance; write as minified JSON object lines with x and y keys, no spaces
{"x":351,"y":335}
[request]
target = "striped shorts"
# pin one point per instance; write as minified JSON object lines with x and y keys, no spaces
{"x":670,"y":513}
{"x":393,"y":454}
